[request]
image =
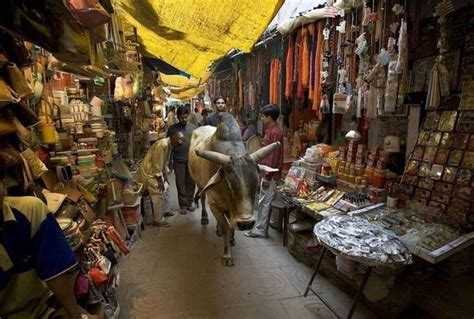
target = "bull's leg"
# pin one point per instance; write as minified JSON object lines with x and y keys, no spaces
{"x":232,"y":236}
{"x":219,"y":231}
{"x":224,"y":226}
{"x":204,"y":216}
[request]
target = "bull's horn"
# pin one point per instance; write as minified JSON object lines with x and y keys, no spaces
{"x":260,"y":154}
{"x":215,"y":157}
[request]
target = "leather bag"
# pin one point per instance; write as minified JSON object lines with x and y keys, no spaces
{"x":88,"y":13}
{"x":18,"y":81}
{"x":7,"y":94}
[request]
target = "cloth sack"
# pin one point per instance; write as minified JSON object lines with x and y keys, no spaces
{"x":53,"y":200}
{"x":18,"y":82}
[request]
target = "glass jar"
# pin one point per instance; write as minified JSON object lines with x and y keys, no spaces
{"x":368,"y":174}
{"x":379,"y":178}
{"x":359,"y":170}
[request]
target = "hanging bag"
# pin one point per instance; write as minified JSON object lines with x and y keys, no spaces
{"x":7,"y":94}
{"x":17,"y":81}
{"x":88,"y":13}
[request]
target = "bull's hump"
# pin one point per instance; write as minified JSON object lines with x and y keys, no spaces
{"x":227,"y":128}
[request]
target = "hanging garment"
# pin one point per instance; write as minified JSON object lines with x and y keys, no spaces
{"x":438,"y":86}
{"x":270,"y":81}
{"x":240,"y":90}
{"x":391,"y":90}
{"x":299,"y":84}
{"x":305,"y":58}
{"x":317,"y":68}
{"x":313,"y":38}
{"x":290,"y":55}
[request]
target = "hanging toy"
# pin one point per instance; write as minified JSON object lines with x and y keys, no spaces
{"x":361,"y":42}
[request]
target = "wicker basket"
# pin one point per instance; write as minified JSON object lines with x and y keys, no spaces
{"x":130,"y":197}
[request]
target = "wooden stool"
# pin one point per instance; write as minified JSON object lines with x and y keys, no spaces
{"x":285,"y":207}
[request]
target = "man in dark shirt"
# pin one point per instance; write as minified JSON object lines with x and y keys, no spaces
{"x":273,"y":133}
{"x":220,"y":107}
{"x":184,"y":183}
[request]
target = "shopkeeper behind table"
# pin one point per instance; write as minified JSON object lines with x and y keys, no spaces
{"x":35,"y":261}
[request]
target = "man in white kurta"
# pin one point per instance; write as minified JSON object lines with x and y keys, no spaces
{"x":153,"y":174}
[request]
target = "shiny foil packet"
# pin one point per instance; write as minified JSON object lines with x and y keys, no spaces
{"x":423,"y":138}
{"x":430,"y":154}
{"x":468,"y":160}
{"x":455,"y":157}
{"x":447,"y":121}
{"x":460,"y":141}
{"x":434,"y":139}
{"x":418,"y":152}
{"x":442,"y":156}
{"x":449,"y":174}
{"x":446,"y":140}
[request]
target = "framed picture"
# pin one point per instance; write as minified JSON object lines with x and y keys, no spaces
{"x":420,"y":75}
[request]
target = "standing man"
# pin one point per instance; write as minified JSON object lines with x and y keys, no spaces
{"x":184,"y":183}
{"x":152,"y":173}
{"x":171,"y":117}
{"x":196,"y":117}
{"x":37,"y":266}
{"x":220,"y":107}
{"x":269,"y":116}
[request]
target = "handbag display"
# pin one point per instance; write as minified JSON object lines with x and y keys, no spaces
{"x":38,"y":86}
{"x":7,"y":126}
{"x":18,"y":82}
{"x":38,"y":168}
{"x":10,"y":156}
{"x":15,"y":50}
{"x":74,"y":45}
{"x":24,"y":114}
{"x":29,"y":183}
{"x":31,"y":22}
{"x":88,"y":13}
{"x":7,"y":94}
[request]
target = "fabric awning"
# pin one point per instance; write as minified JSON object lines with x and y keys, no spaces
{"x":190,"y":34}
{"x":186,"y":93}
{"x":163,"y":67}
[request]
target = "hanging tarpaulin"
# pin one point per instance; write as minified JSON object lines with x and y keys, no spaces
{"x":190,"y":34}
{"x":187,"y":93}
{"x":182,"y":81}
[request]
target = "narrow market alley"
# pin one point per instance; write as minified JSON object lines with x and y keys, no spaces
{"x":176,"y":273}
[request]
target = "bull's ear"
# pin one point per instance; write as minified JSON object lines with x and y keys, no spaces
{"x":260,"y":154}
{"x":215,"y":157}
{"x":215,"y":179}
{"x":267,"y":169}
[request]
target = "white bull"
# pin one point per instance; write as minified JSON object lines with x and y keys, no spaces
{"x":227,"y":176}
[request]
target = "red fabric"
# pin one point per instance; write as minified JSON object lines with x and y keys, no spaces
{"x":305,"y":59}
{"x":300,"y":87}
{"x":317,"y":68}
{"x":275,"y":159}
{"x":290,"y":56}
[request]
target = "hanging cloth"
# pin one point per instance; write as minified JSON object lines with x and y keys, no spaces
{"x":275,"y":81}
{"x":299,"y":84}
{"x":270,"y":81}
{"x":305,"y":58}
{"x":290,"y":56}
{"x":317,"y":67}
{"x":240,"y":87}
{"x":313,"y":37}
{"x":276,"y":88}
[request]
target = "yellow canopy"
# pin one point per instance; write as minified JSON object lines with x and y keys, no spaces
{"x":181,"y":81}
{"x":190,"y":34}
{"x":186,"y":93}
